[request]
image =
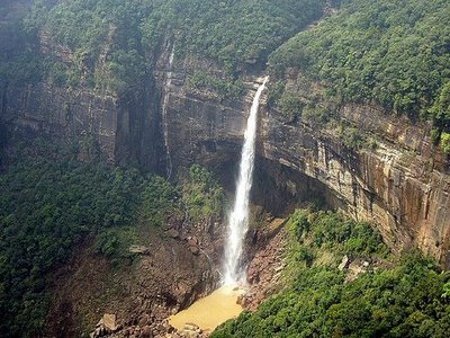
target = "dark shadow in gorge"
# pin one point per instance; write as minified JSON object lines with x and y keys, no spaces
{"x":280,"y":189}
{"x":276,"y":188}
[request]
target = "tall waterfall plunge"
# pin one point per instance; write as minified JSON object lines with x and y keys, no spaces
{"x":164,"y":113}
{"x":238,"y":218}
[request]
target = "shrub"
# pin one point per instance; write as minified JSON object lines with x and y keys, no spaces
{"x":202,"y":195}
{"x":445,"y":143}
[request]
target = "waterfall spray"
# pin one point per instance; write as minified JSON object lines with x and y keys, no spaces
{"x":238,"y":218}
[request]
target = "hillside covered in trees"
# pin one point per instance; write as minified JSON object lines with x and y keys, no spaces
{"x":233,"y":33}
{"x":406,"y":297}
{"x":51,"y":204}
{"x":392,"y":53}
{"x":392,"y":56}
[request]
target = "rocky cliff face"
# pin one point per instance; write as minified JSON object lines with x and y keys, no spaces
{"x":118,"y":128}
{"x":402,"y":184}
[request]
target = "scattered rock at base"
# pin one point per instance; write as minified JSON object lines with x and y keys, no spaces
{"x":191,"y":327}
{"x":241,"y":300}
{"x":109,"y":321}
{"x":192,"y":241}
{"x":139,"y":249}
{"x":191,"y":330}
{"x":344,"y":263}
{"x":194,"y":250}
{"x":106,"y":325}
{"x":355,"y":269}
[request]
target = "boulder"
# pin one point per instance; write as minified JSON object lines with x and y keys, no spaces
{"x":194,"y":250}
{"x":139,"y":249}
{"x":109,"y":322}
{"x":191,"y":327}
{"x":192,"y":241}
{"x":344,"y":263}
{"x":173,"y":233}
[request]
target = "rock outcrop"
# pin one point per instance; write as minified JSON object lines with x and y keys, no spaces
{"x":117,"y":127}
{"x":134,"y":300}
{"x":402,"y":184}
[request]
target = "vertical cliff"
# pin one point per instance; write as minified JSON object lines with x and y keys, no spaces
{"x":400,"y":181}
{"x":75,"y":98}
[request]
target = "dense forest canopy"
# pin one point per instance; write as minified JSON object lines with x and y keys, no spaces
{"x":393,"y":53}
{"x":131,"y":33}
{"x":406,"y":298}
{"x":50,"y":205}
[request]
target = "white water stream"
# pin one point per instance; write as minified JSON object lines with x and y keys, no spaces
{"x":234,"y":273}
{"x":164,"y":113}
{"x":221,"y":305}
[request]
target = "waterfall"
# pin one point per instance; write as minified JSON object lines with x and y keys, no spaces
{"x":238,"y":218}
{"x":164,"y":113}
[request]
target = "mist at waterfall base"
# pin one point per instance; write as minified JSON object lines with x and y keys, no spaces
{"x":234,"y":272}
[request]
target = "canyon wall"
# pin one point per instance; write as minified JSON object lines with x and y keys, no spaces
{"x":402,"y":185}
{"x":119,"y":128}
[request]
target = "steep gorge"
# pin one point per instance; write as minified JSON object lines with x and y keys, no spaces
{"x":397,"y":178}
{"x":403,"y":185}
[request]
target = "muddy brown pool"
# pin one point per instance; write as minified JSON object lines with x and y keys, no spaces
{"x":211,"y":311}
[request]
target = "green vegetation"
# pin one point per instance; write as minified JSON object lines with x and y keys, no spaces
{"x":89,"y":29}
{"x":445,"y":142}
{"x":351,"y":137}
{"x":291,"y":105}
{"x":48,"y":206}
{"x":408,"y":298}
{"x":395,"y":53}
{"x":440,"y":113}
{"x":202,"y":195}
{"x":159,"y":199}
{"x":114,"y":243}
{"x":128,"y":35}
{"x":234,"y":32}
{"x":19,"y":62}
{"x":225,"y":88}
{"x":328,"y":231}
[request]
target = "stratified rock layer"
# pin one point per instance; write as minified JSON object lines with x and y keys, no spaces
{"x":403,"y":185}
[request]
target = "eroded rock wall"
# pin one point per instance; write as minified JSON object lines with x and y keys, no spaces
{"x":120,"y":128}
{"x":402,"y":185}
{"x":404,"y":190}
